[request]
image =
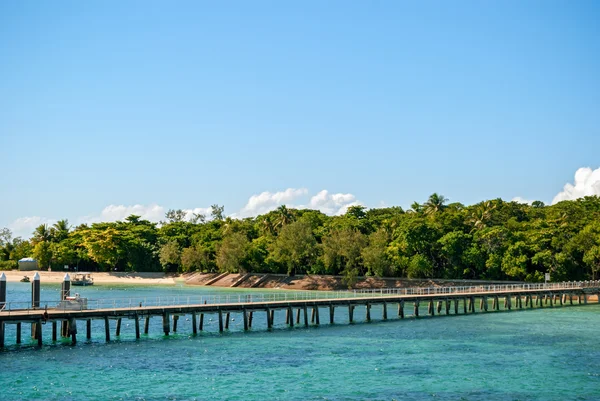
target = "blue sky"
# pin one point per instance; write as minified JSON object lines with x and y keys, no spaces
{"x":105,"y":105}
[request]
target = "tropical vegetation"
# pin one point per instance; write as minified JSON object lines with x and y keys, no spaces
{"x":494,"y":239}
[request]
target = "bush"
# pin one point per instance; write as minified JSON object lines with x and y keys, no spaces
{"x":8,"y":264}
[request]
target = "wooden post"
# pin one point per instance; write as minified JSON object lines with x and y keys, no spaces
{"x":465,"y":305}
{"x":272,"y":317}
{"x":416,"y":309}
{"x":316,"y":309}
{"x":73,"y":331}
{"x":137,"y":326}
{"x":384,"y":311}
{"x":147,"y":324}
{"x":64,"y":293}
{"x":245,"y":313}
{"x":560,"y":299}
{"x":2,"y":290}
{"x":287,"y":316}
{"x":447,"y":303}
{"x":107,"y":328}
{"x":456,"y":306}
{"x":551,"y":296}
{"x":439,"y":307}
{"x":201,"y":324}
{"x":88,"y":329}
{"x":54,"y":331}
{"x":401,"y":309}
{"x":38,"y":331}
{"x":305,"y":316}
{"x":485,"y":304}
{"x":312,"y":315}
{"x":368,"y":312}
{"x":227,"y":318}
{"x":195,"y":323}
{"x":331,"y":313}
{"x":541,"y":299}
{"x":220,"y":321}
{"x":251,"y":314}
{"x":472,"y":303}
{"x":350,"y":313}
{"x":481,"y":304}
{"x":166,"y":323}
{"x":298,"y":316}
{"x":18,"y":328}
{"x":509,"y":299}
{"x":118,"y":331}
{"x":290,"y":312}
{"x":430,"y":310}
{"x":175,"y":320}
{"x":269,"y":318}
{"x":571,"y":298}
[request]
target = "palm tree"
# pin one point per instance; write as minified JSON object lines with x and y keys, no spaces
{"x":481,"y":215}
{"x":285,"y":216}
{"x":60,"y":230}
{"x":42,"y":233}
{"x":416,"y":207}
{"x":435,"y":203}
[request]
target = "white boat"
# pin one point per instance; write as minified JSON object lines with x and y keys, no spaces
{"x":82,"y":279}
{"x":73,"y":303}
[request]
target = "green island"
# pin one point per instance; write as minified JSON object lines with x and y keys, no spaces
{"x":491,"y":240}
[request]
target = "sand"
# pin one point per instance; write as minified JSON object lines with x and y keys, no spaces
{"x":99,"y":278}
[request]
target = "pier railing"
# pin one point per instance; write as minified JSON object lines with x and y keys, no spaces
{"x":250,"y":298}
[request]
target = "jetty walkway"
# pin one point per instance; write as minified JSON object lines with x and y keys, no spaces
{"x":296,"y":304}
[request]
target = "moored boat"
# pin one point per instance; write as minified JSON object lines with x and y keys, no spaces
{"x":82,"y":279}
{"x":25,"y":279}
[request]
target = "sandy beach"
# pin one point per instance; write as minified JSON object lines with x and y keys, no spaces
{"x":99,"y":278}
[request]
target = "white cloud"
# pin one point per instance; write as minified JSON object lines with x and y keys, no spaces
{"x":24,"y":226}
{"x":152,"y":212}
{"x":332,"y":204}
{"x":587,"y":183}
{"x":267,"y":201}
{"x":518,"y":199}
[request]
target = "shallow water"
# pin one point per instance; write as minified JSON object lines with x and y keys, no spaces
{"x":540,"y":354}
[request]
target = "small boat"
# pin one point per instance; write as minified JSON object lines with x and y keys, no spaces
{"x":25,"y":279}
{"x":82,"y":279}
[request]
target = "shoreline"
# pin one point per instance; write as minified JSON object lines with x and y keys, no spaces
{"x":13,"y":276}
{"x":245,"y":281}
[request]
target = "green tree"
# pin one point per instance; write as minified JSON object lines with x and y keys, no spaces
{"x":375,"y":255}
{"x":217,"y":212}
{"x":295,"y":247}
{"x":170,"y":256}
{"x":232,"y":252}
{"x":436,"y":203}
{"x":194,"y":258}
{"x":42,"y":252}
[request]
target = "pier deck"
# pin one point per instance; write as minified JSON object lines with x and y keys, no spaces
{"x":439,"y":300}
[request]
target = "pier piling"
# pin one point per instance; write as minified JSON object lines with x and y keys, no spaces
{"x":137,"y":326}
{"x":107,"y":329}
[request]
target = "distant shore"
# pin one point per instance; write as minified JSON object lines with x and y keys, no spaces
{"x":254,"y":280}
{"x":99,"y":278}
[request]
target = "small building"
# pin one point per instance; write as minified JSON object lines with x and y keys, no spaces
{"x":28,"y":264}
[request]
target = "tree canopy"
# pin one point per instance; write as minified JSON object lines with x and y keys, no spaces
{"x":493,"y":239}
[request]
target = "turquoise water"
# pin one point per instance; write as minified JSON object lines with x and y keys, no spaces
{"x":540,"y":354}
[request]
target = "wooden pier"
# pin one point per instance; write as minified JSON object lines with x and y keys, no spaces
{"x":439,"y":301}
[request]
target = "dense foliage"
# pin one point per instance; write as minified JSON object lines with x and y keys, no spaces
{"x":490,"y":240}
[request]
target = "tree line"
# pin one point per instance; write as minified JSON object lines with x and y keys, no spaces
{"x":493,"y":240}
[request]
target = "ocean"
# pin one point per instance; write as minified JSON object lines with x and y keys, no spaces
{"x":539,"y":354}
